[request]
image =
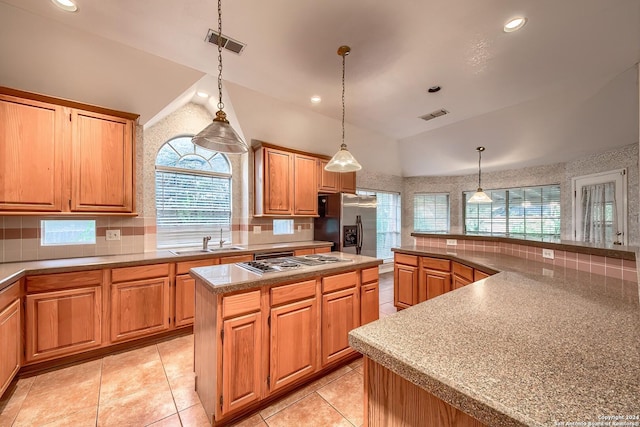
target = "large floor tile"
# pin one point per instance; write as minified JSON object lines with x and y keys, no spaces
{"x":172,"y":421}
{"x":13,"y":399}
{"x":177,"y":356}
{"x":346,"y":394}
{"x":183,"y":390}
{"x":85,"y":417}
{"x":194,"y":417}
{"x":82,"y":376}
{"x":312,"y":411}
{"x":387,"y":308}
{"x":254,"y":420}
{"x":142,"y":407}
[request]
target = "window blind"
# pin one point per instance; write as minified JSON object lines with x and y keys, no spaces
{"x":431,"y":212}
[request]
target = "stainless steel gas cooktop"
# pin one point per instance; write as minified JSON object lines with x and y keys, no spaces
{"x":274,"y":265}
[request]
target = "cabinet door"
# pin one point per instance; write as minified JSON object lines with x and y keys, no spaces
{"x":10,"y":338}
{"x":31,"y":143}
{"x":305,"y":199}
{"x":405,"y":285}
{"x":348,"y":182}
{"x":241,"y":354}
{"x":369,"y":303}
{"x":328,"y":182}
{"x":459,"y":282}
{"x":139,"y":308}
{"x":340,"y":314}
{"x":102,"y":163}
{"x":185,"y":300}
{"x":278,"y":181}
{"x":294,"y":324}
{"x":63,"y":322}
{"x":433,"y":283}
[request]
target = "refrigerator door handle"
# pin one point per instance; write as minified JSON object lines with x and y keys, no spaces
{"x":359,"y":233}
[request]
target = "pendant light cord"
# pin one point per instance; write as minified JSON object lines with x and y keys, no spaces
{"x":220,"y":104}
{"x":343,"y":66}
{"x":479,"y":169}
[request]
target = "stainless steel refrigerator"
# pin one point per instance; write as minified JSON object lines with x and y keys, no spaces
{"x":349,"y":221}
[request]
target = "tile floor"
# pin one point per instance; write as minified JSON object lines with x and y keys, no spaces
{"x":154,"y":386}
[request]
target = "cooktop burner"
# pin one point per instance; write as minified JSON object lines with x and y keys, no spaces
{"x":272,"y":265}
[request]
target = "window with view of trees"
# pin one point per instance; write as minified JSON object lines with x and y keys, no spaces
{"x":387,"y":221}
{"x":193,"y":194}
{"x":431,"y":212}
{"x":525,"y":213}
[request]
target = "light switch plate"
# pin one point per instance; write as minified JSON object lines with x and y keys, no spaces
{"x":452,"y":242}
{"x":257,"y":229}
{"x":547,"y":253}
{"x":113,"y":235}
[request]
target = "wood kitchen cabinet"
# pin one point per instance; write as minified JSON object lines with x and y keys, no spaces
{"x":80,"y":158}
{"x":340,"y":314}
{"x":369,"y":295}
{"x":305,"y":197}
{"x":63,"y":314}
{"x":335,"y":182}
{"x":10,"y":334}
{"x":462,"y":275}
{"x":184,"y":296}
{"x":435,"y":278}
{"x":139,"y":301}
{"x":293,"y":319}
{"x":405,"y":280}
{"x":348,"y":182}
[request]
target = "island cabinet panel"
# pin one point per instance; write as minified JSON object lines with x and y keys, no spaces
{"x":462,"y":275}
{"x":432,"y":284}
{"x":305,"y":198}
{"x":139,"y":308}
{"x":405,"y":285}
{"x":10,"y":335}
{"x":369,"y":296}
{"x":241,"y":356}
{"x":294,"y":342}
{"x":340,"y":314}
{"x":32,"y":134}
{"x":102,"y":163}
{"x":63,"y":322}
{"x":392,"y":401}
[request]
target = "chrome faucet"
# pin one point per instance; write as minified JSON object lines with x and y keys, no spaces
{"x":221,"y":241}
{"x":205,"y":242}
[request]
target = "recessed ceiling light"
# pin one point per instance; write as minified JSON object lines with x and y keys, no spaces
{"x":66,"y":5}
{"x":202,"y":94}
{"x":514,"y":24}
{"x":315,"y":99}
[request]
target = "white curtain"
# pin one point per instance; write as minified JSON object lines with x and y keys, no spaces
{"x":600,"y":219}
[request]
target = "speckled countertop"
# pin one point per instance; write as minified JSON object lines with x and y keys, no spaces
{"x":533,"y":345}
{"x":229,"y":277}
{"x":10,"y":272}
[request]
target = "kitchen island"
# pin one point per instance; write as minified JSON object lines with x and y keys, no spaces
{"x":259,"y":336}
{"x":535,"y":344}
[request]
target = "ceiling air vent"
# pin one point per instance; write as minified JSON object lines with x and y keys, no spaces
{"x":434,"y":114}
{"x":227,"y":42}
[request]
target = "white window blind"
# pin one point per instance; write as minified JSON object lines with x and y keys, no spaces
{"x":193,"y":194}
{"x":431,"y":212}
{"x":526,"y":213}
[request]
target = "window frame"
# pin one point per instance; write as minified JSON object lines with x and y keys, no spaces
{"x":398,"y":233}
{"x":448,"y":195}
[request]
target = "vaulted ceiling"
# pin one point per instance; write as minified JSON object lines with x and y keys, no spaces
{"x":563,"y":86}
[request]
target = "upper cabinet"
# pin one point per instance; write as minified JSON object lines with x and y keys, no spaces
{"x":285,"y":182}
{"x":64,"y":157}
{"x":335,"y":182}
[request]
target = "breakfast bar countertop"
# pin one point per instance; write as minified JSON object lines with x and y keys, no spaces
{"x":534,"y":345}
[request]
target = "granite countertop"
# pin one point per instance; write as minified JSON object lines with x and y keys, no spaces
{"x":229,"y":277}
{"x":10,"y":272}
{"x":533,"y":345}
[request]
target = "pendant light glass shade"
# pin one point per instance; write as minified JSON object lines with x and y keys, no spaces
{"x":219,"y":135}
{"x":343,"y":160}
{"x":480,"y":196}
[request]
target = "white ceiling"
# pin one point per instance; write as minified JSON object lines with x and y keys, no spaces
{"x":562,"y":87}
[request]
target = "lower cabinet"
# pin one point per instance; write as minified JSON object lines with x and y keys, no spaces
{"x":10,"y":335}
{"x":405,"y":283}
{"x":369,"y":296}
{"x":340,"y":314}
{"x":184,"y":296}
{"x":433,"y":284}
{"x":462,"y":275}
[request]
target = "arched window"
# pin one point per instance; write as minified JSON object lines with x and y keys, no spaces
{"x":193,"y":194}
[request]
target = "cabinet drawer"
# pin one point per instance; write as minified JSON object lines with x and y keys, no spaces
{"x":463,"y":271}
{"x":406,"y":259}
{"x":369,"y":275}
{"x":52,"y":282}
{"x":296,"y":291}
{"x":301,"y":252}
{"x":324,"y":250}
{"x":236,"y":258}
{"x":138,"y":273}
{"x":184,"y":267}
{"x":235,"y":305}
{"x":436,"y":264}
{"x":339,"y":281}
{"x":9,"y":295}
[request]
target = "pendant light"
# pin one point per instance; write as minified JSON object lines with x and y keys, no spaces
{"x":480,"y":196}
{"x":219,"y":135}
{"x":343,"y":160}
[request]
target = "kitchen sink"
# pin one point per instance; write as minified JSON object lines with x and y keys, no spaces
{"x":204,"y":251}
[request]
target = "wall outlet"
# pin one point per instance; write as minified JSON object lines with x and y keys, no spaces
{"x":257,"y":229}
{"x":299,"y":228}
{"x":113,"y":234}
{"x":547,"y":253}
{"x":546,"y":272}
{"x":452,"y":242}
